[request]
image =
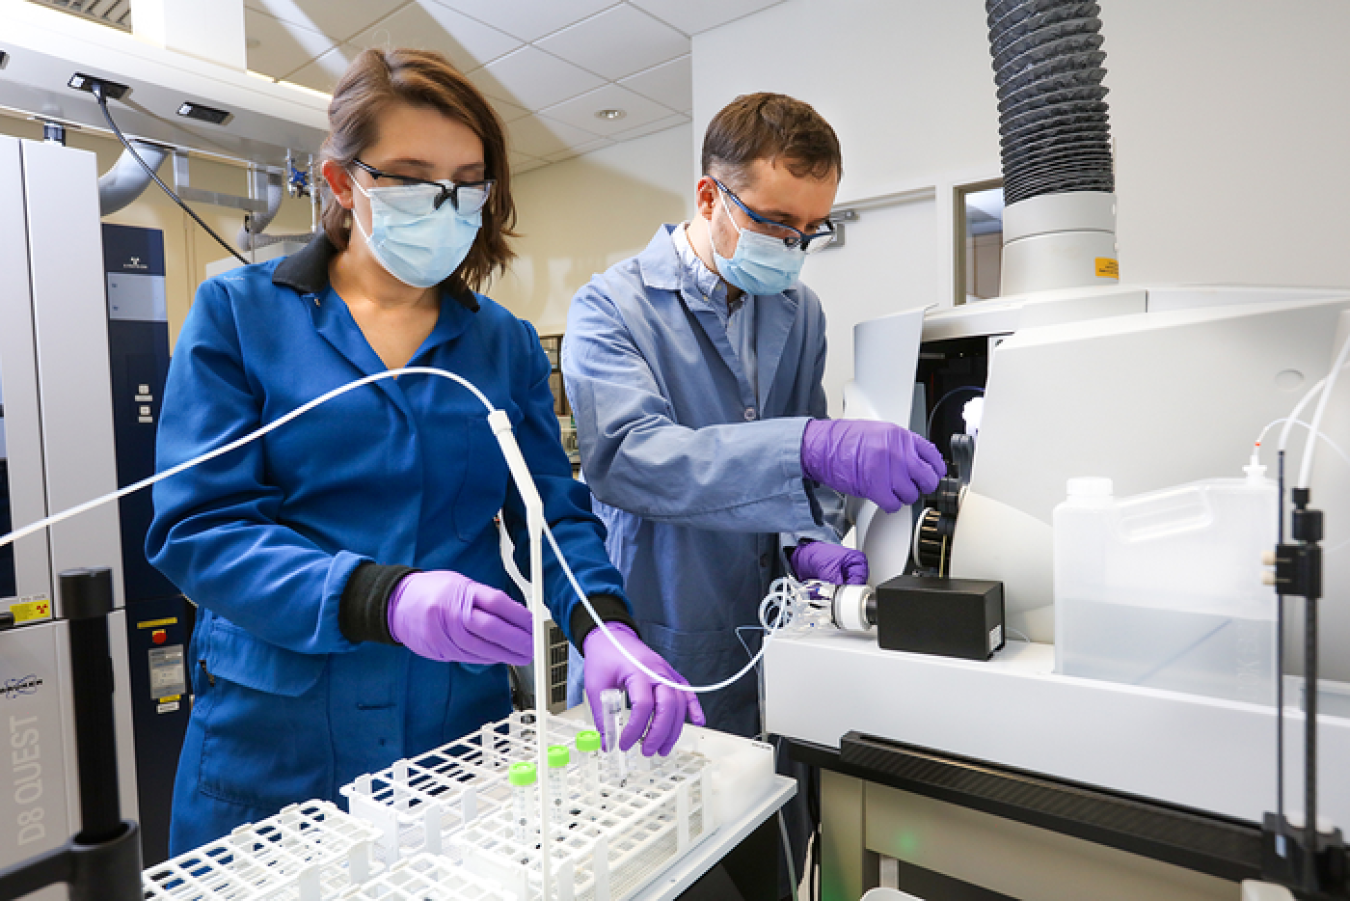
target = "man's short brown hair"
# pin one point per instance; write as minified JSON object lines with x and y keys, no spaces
{"x":771,"y":127}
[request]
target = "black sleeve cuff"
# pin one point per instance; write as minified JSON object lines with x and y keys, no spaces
{"x":611,"y":610}
{"x":363,"y":613}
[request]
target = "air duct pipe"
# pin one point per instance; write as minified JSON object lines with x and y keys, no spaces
{"x":125,"y":181}
{"x":1059,"y":223}
{"x":250,"y":233}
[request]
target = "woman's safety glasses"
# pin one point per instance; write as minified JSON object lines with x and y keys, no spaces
{"x":424,"y":197}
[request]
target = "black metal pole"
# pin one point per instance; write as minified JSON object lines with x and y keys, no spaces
{"x":1310,"y":739}
{"x":87,"y":599}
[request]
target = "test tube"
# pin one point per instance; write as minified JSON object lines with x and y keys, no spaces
{"x":558,"y":759}
{"x":523,"y":776}
{"x":615,"y":708}
{"x":588,"y":747}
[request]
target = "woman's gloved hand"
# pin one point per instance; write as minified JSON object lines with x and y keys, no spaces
{"x":655,"y":709}
{"x":879,"y":461}
{"x":448,"y":617}
{"x":828,"y":562}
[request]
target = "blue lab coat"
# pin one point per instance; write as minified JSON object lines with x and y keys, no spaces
{"x":693,"y":472}
{"x":264,"y":538}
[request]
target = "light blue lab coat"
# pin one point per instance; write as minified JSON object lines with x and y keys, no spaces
{"x":265,"y":538}
{"x":694,"y":473}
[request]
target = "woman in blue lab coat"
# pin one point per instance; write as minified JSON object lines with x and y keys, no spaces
{"x":353,"y":606}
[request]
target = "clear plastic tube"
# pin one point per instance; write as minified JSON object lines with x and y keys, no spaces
{"x":588,"y":751}
{"x":558,"y":760}
{"x":523,"y":777}
{"x":615,"y":708}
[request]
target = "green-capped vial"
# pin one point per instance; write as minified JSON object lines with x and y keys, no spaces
{"x":522,"y":777}
{"x":588,"y":741}
{"x":558,"y":756}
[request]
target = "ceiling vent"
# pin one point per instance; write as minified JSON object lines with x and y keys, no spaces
{"x":116,"y":13}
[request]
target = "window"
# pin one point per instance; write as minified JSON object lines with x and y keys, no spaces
{"x":979,"y":241}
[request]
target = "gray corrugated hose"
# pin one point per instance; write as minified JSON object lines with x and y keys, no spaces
{"x":125,"y":181}
{"x":1047,"y":61}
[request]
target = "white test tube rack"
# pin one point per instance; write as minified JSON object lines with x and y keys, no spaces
{"x":456,"y":801}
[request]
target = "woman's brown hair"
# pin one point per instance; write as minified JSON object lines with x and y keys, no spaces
{"x":378,"y":78}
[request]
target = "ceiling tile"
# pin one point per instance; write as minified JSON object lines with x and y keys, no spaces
{"x":323,"y":73}
{"x":670,"y":84}
{"x":427,"y":25}
{"x":533,"y":79}
{"x":278,"y":48}
{"x":529,"y":20}
{"x":580,"y":111}
{"x":527,"y":164}
{"x":693,"y":16}
{"x":539,"y":136}
{"x":617,"y":42}
{"x":508,"y":112}
{"x":338,"y":20}
{"x":571,"y":152}
{"x":652,"y":128}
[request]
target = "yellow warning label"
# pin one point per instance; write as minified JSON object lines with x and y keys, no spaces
{"x":167,"y":699}
{"x":1108,"y":268}
{"x":157,"y":623}
{"x":31,"y":611}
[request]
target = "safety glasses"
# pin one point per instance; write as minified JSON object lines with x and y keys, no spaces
{"x":466,"y":198}
{"x":791,"y":237}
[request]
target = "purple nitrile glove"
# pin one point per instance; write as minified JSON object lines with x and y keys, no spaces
{"x":879,"y":461}
{"x":649,"y":701}
{"x":829,"y":562}
{"x":448,"y":617}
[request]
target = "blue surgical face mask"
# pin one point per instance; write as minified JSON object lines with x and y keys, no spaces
{"x":419,"y":245}
{"x":761,"y":264}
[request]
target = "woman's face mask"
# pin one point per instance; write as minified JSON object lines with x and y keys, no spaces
{"x":760,"y":264}
{"x":419,"y":244}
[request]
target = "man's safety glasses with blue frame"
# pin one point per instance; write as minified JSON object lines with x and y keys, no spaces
{"x":466,"y":198}
{"x":791,"y":237}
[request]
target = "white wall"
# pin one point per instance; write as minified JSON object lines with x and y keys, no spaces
{"x":1231,"y":143}
{"x":583,"y":215}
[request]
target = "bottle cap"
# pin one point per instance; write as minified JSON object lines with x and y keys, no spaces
{"x":558,"y":756}
{"x":522,"y":773}
{"x":589,"y":740}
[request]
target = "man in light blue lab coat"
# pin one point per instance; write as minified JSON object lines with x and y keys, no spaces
{"x":694,"y":372}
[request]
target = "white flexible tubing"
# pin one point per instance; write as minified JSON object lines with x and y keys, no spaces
{"x":1329,"y":442}
{"x":237,"y":443}
{"x":501,"y":425}
{"x":1293,"y":416}
{"x":1305,"y":471}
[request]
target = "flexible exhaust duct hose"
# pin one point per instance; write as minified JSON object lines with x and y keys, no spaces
{"x":1053,"y":124}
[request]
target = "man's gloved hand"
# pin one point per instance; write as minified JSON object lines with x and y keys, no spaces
{"x":879,"y":461}
{"x":828,"y":562}
{"x":448,"y":617}
{"x":665,"y":708}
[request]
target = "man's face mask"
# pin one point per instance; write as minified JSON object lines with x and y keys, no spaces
{"x":761,"y":264}
{"x":419,"y":243}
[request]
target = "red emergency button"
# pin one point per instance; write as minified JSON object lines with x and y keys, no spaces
{"x":159,"y":636}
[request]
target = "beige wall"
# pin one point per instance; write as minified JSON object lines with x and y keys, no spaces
{"x":187,"y":249}
{"x":581,"y":216}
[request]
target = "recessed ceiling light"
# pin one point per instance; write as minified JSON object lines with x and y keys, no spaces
{"x":610,"y":114}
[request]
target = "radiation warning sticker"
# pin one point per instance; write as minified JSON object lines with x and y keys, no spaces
{"x":31,"y":610}
{"x":1108,"y":268}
